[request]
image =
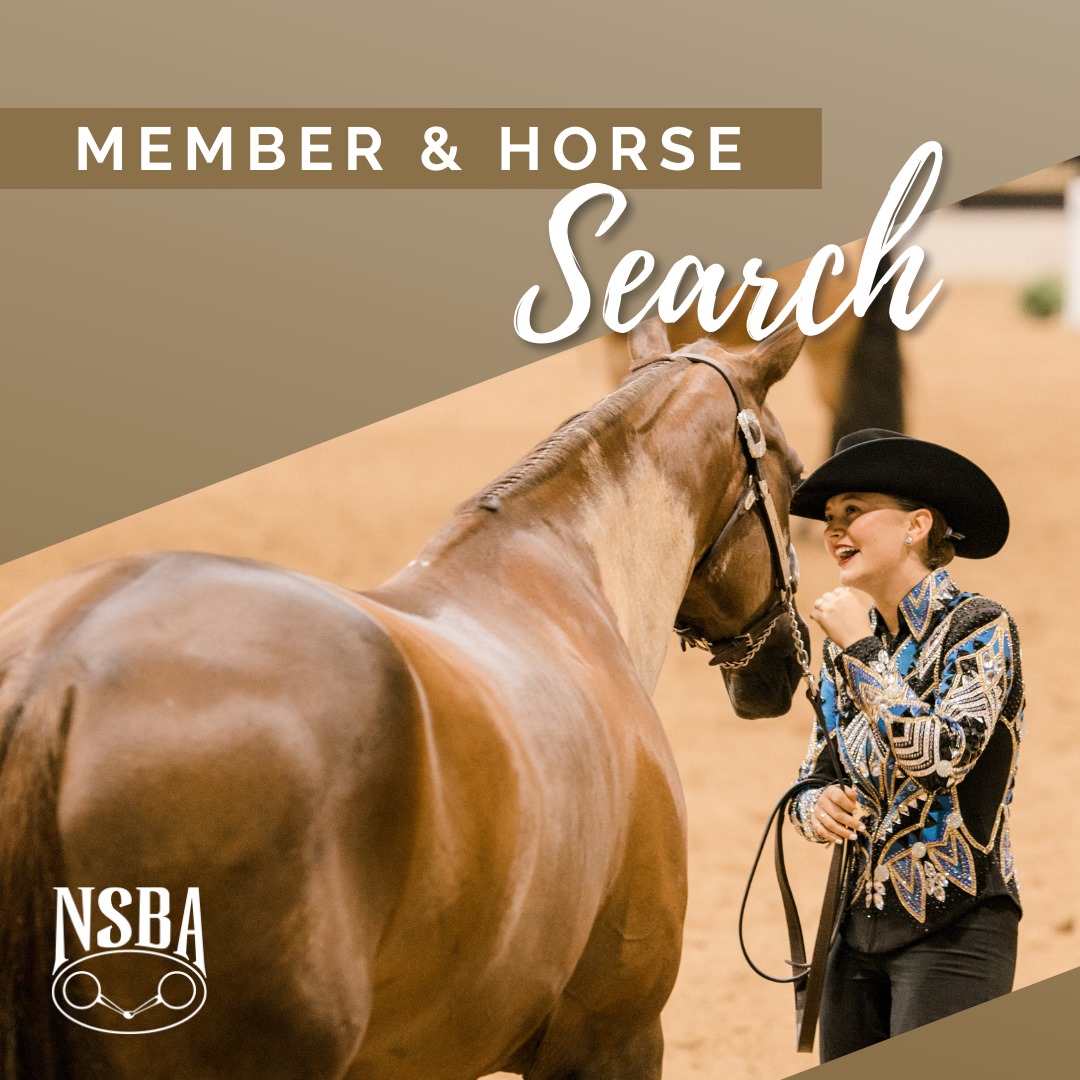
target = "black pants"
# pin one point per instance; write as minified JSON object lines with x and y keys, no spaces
{"x":869,"y":997}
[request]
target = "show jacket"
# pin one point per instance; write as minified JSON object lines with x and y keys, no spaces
{"x":927,"y":725}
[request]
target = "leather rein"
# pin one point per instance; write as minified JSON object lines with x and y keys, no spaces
{"x":730,"y":654}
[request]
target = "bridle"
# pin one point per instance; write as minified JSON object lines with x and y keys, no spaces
{"x":731,"y":654}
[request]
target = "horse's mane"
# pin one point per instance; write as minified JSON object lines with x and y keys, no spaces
{"x":570,"y":439}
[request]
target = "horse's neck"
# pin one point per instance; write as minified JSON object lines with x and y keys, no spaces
{"x":621,"y":512}
{"x":641,"y":533}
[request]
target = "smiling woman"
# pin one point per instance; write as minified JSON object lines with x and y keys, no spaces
{"x":924,"y":700}
{"x":864,"y":531}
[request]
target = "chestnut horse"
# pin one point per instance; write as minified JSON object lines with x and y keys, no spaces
{"x":436,"y":828}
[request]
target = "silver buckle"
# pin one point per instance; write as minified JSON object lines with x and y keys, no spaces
{"x":750,"y":426}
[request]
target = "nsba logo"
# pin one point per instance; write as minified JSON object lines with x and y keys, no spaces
{"x":133,"y":977}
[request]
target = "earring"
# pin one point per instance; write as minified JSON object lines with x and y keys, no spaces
{"x":907,"y":540}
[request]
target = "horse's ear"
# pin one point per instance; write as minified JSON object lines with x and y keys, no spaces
{"x":648,"y":339}
{"x":774,"y":356}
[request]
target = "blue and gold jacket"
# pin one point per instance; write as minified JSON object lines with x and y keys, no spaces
{"x":927,"y":726}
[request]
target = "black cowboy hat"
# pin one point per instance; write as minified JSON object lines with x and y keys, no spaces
{"x":893,"y":464}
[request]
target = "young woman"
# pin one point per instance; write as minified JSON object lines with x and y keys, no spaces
{"x":923,"y":698}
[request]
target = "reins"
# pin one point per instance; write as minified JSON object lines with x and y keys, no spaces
{"x":808,"y":977}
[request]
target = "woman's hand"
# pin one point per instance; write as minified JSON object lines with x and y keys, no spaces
{"x":837,"y":814}
{"x":841,"y":615}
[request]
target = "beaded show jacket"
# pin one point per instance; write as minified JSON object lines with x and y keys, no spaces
{"x":927,"y":726}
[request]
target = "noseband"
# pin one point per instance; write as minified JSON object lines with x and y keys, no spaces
{"x":731,"y":654}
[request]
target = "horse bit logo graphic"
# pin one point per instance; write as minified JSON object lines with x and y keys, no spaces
{"x":175,"y":985}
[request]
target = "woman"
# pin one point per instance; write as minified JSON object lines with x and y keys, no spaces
{"x":924,"y":700}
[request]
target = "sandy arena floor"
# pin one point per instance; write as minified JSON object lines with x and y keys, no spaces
{"x":982,"y":377}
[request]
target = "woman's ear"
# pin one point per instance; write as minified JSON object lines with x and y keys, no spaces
{"x":919,"y":524}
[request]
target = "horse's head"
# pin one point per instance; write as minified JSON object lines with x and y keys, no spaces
{"x":736,"y":601}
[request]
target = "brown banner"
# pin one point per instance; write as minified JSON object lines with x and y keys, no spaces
{"x":409,"y":148}
{"x":1024,"y":1035}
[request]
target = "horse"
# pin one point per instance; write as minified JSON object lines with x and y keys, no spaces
{"x":436,"y":827}
{"x":856,"y":363}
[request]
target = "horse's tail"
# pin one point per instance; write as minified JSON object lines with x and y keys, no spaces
{"x":873,"y":388}
{"x":33,"y":1041}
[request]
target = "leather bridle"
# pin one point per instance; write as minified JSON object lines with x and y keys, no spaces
{"x":731,"y":654}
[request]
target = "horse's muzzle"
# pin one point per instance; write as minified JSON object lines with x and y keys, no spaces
{"x":766,"y":686}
